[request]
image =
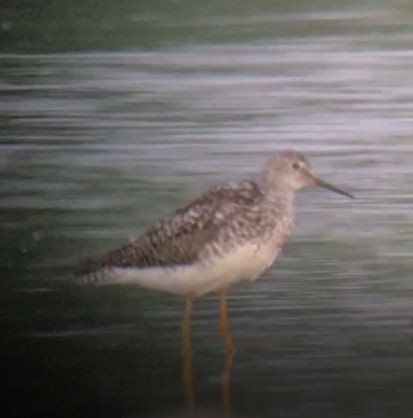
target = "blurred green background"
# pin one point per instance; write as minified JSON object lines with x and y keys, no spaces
{"x":114,"y":113}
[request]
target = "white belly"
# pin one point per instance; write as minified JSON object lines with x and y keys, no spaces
{"x":245,"y":263}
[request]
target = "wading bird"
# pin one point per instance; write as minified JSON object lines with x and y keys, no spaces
{"x":229,"y":234}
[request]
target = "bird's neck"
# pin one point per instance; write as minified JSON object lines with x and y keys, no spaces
{"x":280,"y":198}
{"x":276,"y":193}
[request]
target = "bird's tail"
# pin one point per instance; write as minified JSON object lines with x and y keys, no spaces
{"x":92,"y":272}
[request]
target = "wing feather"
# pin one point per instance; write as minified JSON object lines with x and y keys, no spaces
{"x":179,"y":239}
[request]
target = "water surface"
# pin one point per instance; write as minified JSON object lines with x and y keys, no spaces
{"x":113,"y":115}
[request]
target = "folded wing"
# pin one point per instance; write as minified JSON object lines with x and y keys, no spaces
{"x":179,"y":239}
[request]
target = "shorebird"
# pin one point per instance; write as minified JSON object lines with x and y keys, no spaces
{"x":231,"y":233}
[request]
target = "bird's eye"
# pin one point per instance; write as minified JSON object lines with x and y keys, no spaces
{"x":296,"y":166}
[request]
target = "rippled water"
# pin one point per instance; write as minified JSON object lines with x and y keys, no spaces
{"x":110,"y":122}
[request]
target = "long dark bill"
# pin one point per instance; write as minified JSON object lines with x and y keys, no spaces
{"x":329,"y":186}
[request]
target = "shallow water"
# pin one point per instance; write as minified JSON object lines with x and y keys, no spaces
{"x":112,"y":116}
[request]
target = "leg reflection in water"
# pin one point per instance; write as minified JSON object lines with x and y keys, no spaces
{"x":226,"y":383}
{"x":187,"y":375}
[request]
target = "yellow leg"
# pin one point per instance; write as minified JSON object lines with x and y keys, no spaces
{"x":186,"y":325}
{"x":223,"y":321}
{"x":187,"y":355}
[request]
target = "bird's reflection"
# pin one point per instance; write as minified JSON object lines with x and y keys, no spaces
{"x":187,"y":370}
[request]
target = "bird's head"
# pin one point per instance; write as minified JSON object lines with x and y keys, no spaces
{"x":290,"y":170}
